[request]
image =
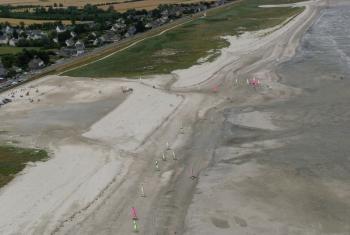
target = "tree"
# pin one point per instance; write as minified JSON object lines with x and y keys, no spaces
{"x":21,"y":24}
{"x":52,"y":34}
{"x":111,"y":9}
{"x":140,"y":27}
{"x":23,"y":58}
{"x":8,"y":60}
{"x":15,"y":34}
{"x":62,"y":37}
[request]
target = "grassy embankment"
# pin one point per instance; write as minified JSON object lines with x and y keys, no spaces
{"x":182,"y":47}
{"x":13,"y":160}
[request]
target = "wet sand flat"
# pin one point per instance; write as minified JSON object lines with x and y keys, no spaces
{"x":270,"y":159}
{"x":295,"y":179}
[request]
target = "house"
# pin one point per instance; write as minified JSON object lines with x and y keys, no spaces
{"x":16,"y":69}
{"x":60,"y":29}
{"x":35,"y":34}
{"x":93,"y":34}
{"x":80,"y":47}
{"x":97,"y":42}
{"x":8,"y":30}
{"x":109,"y":36}
{"x":4,"y":40}
{"x":165,"y":13}
{"x":67,"y":52}
{"x":131,"y":31}
{"x":69,"y":42}
{"x":13,"y":42}
{"x":156,"y":23}
{"x":36,"y":63}
{"x":164,"y":19}
{"x":148,"y":25}
{"x":118,"y":27}
{"x":121,"y":20}
{"x":175,"y":12}
{"x":105,"y":38}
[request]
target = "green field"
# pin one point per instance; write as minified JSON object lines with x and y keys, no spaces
{"x":13,"y":50}
{"x":13,"y":160}
{"x":182,"y":47}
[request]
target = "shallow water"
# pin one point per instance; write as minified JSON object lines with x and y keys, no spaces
{"x":324,"y":53}
{"x":299,"y":183}
{"x":321,"y":68}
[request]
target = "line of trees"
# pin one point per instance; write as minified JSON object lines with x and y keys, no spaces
{"x":115,"y":2}
{"x":22,"y":59}
{"x":87,"y":13}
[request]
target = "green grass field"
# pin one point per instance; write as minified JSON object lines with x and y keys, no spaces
{"x":13,"y":50}
{"x":13,"y":160}
{"x":181,"y":48}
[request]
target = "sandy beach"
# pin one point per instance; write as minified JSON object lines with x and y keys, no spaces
{"x":104,"y":136}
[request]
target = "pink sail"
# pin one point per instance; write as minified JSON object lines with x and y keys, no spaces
{"x":133,"y":213}
{"x":215,"y":88}
{"x":254,"y":82}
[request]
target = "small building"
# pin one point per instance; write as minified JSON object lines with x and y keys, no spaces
{"x":80,"y":47}
{"x":35,"y":34}
{"x":9,"y":30}
{"x":93,"y":34}
{"x":55,"y":40}
{"x":97,"y":42}
{"x":131,"y":31}
{"x":67,"y":52}
{"x":121,"y":20}
{"x":60,"y":29}
{"x":36,"y":63}
{"x":73,"y":34}
{"x":69,"y":42}
{"x":149,"y":25}
{"x":17,"y":69}
{"x":165,"y":13}
{"x":164,"y":19}
{"x":156,"y":23}
{"x":13,"y":42}
{"x":118,"y":27}
{"x":4,"y":40}
{"x":109,"y":37}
